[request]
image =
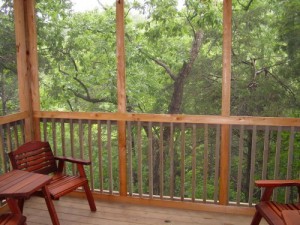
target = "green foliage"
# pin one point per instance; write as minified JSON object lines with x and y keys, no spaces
{"x":8,"y":72}
{"x":78,"y":57}
{"x":82,"y":63}
{"x":264,"y":82}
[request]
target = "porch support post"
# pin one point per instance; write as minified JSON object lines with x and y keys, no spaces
{"x":226,"y":86}
{"x":121,"y":95}
{"x":27,"y":65}
{"x":32,"y":64}
{"x":23,"y":75}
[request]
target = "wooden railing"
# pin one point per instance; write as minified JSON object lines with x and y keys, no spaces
{"x":176,"y":157}
{"x":11,"y":136}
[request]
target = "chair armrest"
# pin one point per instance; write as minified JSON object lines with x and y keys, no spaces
{"x":277,"y":183}
{"x":269,"y":186}
{"x":73,"y":160}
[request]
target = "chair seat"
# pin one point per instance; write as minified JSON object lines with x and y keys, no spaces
{"x":272,"y":211}
{"x":64,"y":184}
{"x":12,"y":219}
{"x":291,"y":217}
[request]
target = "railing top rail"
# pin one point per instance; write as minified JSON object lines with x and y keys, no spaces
{"x":168,"y":118}
{"x":13,"y":117}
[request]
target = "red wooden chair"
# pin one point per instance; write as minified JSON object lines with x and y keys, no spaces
{"x":275,"y":213}
{"x":37,"y":156}
{"x":12,"y":219}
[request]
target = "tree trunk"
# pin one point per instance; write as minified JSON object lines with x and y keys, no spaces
{"x":175,"y":107}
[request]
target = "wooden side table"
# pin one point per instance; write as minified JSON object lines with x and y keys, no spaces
{"x":19,"y":185}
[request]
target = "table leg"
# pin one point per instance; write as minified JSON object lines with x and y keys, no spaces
{"x":50,"y":206}
{"x":13,"y":205}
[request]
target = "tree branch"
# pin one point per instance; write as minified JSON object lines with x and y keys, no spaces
{"x":157,"y":61}
{"x":78,"y":81}
{"x":104,"y":8}
{"x":70,"y":105}
{"x":246,"y":7}
{"x":72,"y":60}
{"x":286,"y":87}
{"x":8,"y":68}
{"x":63,"y":72}
{"x":160,"y":63}
{"x":83,"y":86}
{"x":88,"y":98}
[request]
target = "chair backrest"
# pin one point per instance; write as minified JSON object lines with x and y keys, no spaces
{"x":34,"y":156}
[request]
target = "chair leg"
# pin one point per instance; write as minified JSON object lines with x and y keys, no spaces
{"x":50,"y":206}
{"x":90,"y":197}
{"x":256,"y":218}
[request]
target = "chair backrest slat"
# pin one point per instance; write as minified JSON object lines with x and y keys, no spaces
{"x":34,"y":157}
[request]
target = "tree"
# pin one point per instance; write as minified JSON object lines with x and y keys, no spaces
{"x":261,"y":83}
{"x":82,"y":60}
{"x":8,"y":72}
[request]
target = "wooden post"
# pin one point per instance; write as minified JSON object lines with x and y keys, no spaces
{"x":32,"y":64}
{"x":27,"y":64}
{"x":121,"y":95}
{"x":226,"y":86}
{"x":23,"y":75}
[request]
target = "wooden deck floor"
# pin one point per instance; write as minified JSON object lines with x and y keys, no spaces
{"x":76,"y":211}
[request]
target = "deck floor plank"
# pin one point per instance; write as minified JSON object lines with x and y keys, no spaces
{"x":76,"y":211}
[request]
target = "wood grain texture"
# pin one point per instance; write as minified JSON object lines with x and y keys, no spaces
{"x":74,"y":211}
{"x":176,"y":118}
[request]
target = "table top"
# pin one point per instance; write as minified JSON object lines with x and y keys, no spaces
{"x":21,"y":184}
